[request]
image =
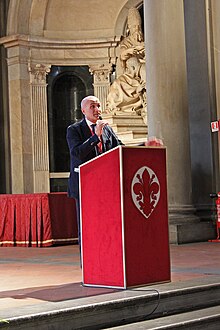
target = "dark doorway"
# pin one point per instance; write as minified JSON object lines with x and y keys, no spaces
{"x":67,"y":86}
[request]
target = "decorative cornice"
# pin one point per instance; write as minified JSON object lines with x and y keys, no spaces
{"x":41,"y":42}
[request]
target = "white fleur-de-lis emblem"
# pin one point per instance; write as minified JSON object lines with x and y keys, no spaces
{"x":145,"y":190}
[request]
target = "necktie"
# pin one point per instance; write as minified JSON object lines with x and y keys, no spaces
{"x":98,"y":148}
{"x":93,"y":128}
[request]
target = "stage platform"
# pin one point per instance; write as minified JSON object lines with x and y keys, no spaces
{"x":41,"y":289}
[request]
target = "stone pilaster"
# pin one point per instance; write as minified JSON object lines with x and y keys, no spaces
{"x":38,"y":74}
{"x":19,"y":118}
{"x":101,"y":77}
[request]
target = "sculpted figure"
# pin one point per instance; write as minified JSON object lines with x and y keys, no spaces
{"x":128,"y":91}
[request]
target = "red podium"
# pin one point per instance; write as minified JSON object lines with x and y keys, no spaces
{"x":124,"y":218}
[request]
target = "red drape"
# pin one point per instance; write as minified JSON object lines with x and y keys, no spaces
{"x":37,"y":220}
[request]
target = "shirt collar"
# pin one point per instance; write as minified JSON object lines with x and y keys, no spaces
{"x":89,"y":123}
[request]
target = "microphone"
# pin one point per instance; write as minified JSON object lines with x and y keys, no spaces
{"x":100,"y":118}
{"x":213,"y":195}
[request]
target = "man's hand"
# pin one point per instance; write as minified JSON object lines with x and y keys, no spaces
{"x":100,"y":124}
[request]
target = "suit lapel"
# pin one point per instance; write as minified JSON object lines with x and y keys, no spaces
{"x":85,"y":129}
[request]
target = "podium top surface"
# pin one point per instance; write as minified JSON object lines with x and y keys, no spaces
{"x":121,"y":147}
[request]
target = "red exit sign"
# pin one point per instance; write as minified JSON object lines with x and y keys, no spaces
{"x":215,"y":126}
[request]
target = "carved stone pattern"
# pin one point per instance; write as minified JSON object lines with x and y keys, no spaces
{"x":40,"y":128}
{"x":39,"y":73}
{"x":101,"y":77}
{"x":101,"y":73}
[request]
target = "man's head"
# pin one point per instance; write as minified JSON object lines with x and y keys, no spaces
{"x":91,"y":108}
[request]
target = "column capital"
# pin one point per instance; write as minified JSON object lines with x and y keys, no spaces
{"x":101,"y":72}
{"x":38,"y":72}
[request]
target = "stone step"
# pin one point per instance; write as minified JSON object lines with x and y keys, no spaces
{"x":187,"y":232}
{"x":131,"y":135}
{"x":129,"y":127}
{"x":136,"y":142}
{"x":99,"y":309}
{"x":208,"y":318}
{"x":123,"y":119}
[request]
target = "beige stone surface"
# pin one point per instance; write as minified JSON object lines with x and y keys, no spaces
{"x":28,"y":173}
{"x":84,"y":18}
{"x":91,"y":53}
{"x":37,"y":17}
{"x":20,"y":134}
{"x":41,"y":181}
{"x":48,"y":55}
{"x":167,"y":92}
{"x":17,"y":177}
{"x":69,"y":19}
{"x":15,"y":117}
{"x":26,"y":117}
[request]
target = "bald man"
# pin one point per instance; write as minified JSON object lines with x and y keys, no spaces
{"x":87,"y":139}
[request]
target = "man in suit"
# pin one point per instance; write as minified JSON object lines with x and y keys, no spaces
{"x":87,"y":139}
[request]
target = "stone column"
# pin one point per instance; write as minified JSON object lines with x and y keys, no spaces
{"x":167,"y":100}
{"x":40,"y":127}
{"x":200,"y":55}
{"x":214,"y":40}
{"x":101,"y":74}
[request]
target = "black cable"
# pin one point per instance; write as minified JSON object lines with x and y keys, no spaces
{"x":149,"y":290}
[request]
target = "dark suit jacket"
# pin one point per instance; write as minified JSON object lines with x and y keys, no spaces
{"x":82,"y":145}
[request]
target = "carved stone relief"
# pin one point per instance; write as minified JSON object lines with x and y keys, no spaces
{"x":128,"y":91}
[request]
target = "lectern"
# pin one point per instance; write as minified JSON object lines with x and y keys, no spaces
{"x":124,"y":218}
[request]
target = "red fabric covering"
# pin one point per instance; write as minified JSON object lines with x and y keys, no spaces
{"x":146,"y":239}
{"x":37,"y":219}
{"x":121,"y":247}
{"x":102,"y":224}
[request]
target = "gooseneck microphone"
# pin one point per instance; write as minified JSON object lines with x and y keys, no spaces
{"x":100,"y":117}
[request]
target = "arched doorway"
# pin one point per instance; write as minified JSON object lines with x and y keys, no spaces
{"x":66,"y":88}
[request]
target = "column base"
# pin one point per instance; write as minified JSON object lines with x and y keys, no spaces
{"x":186,"y":227}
